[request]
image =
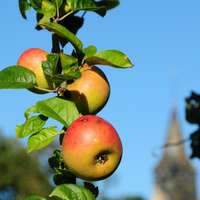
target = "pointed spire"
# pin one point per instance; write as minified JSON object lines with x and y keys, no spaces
{"x":174,"y":147}
{"x":174,"y":151}
{"x":174,"y":174}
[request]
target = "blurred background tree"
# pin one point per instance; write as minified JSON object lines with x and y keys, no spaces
{"x":21,"y":173}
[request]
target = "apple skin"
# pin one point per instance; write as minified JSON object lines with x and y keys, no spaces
{"x":91,"y":148}
{"x":91,"y":91}
{"x":32,"y":59}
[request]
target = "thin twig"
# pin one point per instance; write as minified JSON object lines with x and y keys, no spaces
{"x":64,"y":16}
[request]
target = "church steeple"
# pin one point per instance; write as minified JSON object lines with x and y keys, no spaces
{"x":175,"y":176}
{"x":173,"y":145}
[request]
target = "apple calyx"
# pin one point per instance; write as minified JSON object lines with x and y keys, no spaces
{"x":102,"y":157}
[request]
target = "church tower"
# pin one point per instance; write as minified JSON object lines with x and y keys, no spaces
{"x":174,"y":174}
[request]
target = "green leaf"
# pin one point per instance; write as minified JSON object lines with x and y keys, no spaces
{"x":90,"y":51}
{"x":70,"y":67}
{"x":48,"y":8}
{"x":113,"y":58}
{"x":64,"y":33}
{"x":16,"y":77}
{"x":86,"y":5}
{"x":62,"y":110}
{"x":32,"y":109}
{"x":42,"y":138}
{"x":73,"y":73}
{"x":57,"y":108}
{"x":48,"y":11}
{"x":108,"y":4}
{"x":23,"y":7}
{"x":50,"y":66}
{"x":32,"y":125}
{"x":34,"y":197}
{"x":67,"y":61}
{"x":36,"y":4}
{"x":72,"y":192}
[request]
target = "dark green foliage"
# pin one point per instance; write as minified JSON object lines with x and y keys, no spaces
{"x":192,"y":113}
{"x":195,"y":144}
{"x":61,"y":173}
{"x":21,"y":171}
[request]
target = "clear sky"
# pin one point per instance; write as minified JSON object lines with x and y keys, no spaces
{"x":162,"y":38}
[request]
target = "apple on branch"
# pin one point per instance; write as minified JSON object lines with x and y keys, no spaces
{"x":32,"y":59}
{"x":91,"y":91}
{"x":91,"y":148}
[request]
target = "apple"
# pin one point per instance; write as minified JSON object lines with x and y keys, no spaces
{"x":91,"y":91}
{"x":32,"y":59}
{"x":91,"y":148}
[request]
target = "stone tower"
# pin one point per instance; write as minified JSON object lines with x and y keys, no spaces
{"x":174,"y":175}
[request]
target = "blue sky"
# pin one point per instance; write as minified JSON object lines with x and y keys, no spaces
{"x":163,"y":41}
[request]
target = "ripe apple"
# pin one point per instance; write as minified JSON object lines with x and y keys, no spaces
{"x":32,"y":59}
{"x":91,"y":148}
{"x":91,"y":91}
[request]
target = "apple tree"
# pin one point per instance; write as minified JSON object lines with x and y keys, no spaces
{"x":90,"y":148}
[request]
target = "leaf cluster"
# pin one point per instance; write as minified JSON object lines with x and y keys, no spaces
{"x":64,"y":12}
{"x":36,"y":116}
{"x":62,"y":19}
{"x":58,"y":9}
{"x":61,"y":68}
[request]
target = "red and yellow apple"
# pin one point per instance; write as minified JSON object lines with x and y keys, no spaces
{"x":91,"y":148}
{"x":91,"y":91}
{"x":32,"y":59}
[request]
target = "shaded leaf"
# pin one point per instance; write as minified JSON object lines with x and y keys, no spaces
{"x":50,"y":66}
{"x":23,"y":7}
{"x":16,"y":77}
{"x":94,"y":189}
{"x":62,"y":175}
{"x":42,"y":138}
{"x":64,"y":33}
{"x":73,"y":73}
{"x":86,"y":5}
{"x":113,"y":58}
{"x":108,"y":4}
{"x":32,"y":125}
{"x":36,"y":4}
